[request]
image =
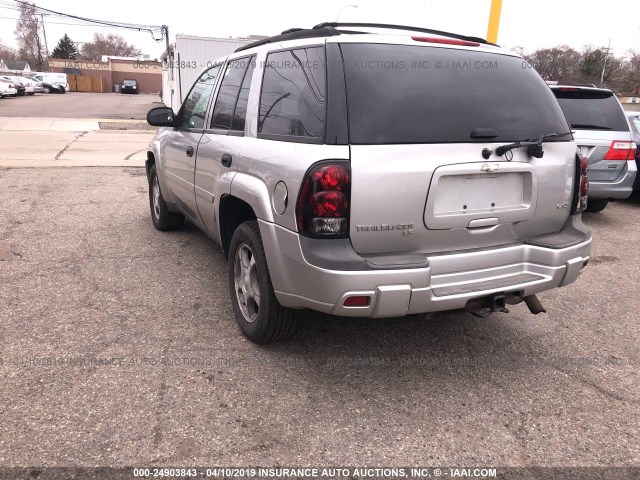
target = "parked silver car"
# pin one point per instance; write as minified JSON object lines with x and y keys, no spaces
{"x":374,"y":175}
{"x":603,"y":135}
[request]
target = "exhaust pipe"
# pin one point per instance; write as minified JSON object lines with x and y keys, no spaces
{"x":534,"y":304}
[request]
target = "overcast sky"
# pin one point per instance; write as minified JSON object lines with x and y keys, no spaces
{"x":532,"y":25}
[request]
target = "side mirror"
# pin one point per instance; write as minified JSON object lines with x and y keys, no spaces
{"x":160,"y":117}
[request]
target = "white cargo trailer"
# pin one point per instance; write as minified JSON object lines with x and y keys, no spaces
{"x":185,"y":60}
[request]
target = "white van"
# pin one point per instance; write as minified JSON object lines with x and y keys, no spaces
{"x":58,"y":80}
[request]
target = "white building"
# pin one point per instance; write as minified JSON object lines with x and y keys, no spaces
{"x":185,"y":60}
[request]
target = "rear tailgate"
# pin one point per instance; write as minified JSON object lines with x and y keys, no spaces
{"x":598,"y":120}
{"x":419,"y":180}
{"x":417,"y":204}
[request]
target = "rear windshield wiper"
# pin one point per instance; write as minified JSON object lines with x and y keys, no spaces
{"x":534,"y":147}
{"x":589,"y":126}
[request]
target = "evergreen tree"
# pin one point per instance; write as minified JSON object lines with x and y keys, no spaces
{"x":65,"y":49}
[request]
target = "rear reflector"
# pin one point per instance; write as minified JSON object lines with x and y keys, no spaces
{"x":446,"y":41}
{"x":357,"y":301}
{"x":621,"y":151}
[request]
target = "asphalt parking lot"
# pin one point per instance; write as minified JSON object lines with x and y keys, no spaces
{"x":80,"y":105}
{"x":118,"y":347}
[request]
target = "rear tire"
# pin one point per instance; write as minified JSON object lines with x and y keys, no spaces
{"x":259,"y":314}
{"x":163,"y":219}
{"x":597,"y":205}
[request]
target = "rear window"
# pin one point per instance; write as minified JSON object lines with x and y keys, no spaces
{"x":592,"y":110}
{"x":417,"y":94}
{"x":292,"y":101}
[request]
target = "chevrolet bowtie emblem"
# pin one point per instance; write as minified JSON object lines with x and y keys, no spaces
{"x":489,"y":167}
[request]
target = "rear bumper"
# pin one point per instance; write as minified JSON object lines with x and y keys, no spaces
{"x":439,"y":282}
{"x":620,"y":188}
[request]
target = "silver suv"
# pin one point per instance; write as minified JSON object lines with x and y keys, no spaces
{"x":603,"y":135}
{"x":374,"y":175}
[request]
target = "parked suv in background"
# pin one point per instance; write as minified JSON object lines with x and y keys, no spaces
{"x":374,"y":175}
{"x":634,"y":123}
{"x":129,"y":86}
{"x":603,"y":136}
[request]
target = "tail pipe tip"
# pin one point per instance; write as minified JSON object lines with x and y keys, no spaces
{"x":534,"y":304}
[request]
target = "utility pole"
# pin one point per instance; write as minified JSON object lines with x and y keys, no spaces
{"x":604,"y":65}
{"x":44,"y":34}
{"x":165,"y":32}
{"x":494,"y":21}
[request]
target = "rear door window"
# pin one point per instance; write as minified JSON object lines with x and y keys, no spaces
{"x":591,"y":109}
{"x":228,"y":94}
{"x":293,"y":97}
{"x":240,"y":113}
{"x":423,"y":94}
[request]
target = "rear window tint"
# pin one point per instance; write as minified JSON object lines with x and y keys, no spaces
{"x":592,"y":110}
{"x":292,"y":101}
{"x":418,"y":94}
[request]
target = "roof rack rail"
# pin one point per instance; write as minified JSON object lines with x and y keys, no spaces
{"x":293,"y":34}
{"x":329,"y":29}
{"x":405,"y":27}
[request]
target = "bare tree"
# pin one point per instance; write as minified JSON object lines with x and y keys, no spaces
{"x":594,"y":60}
{"x":30,"y":46}
{"x":7,"y":53}
{"x":630,"y":75}
{"x":561,"y":63}
{"x":107,"y":45}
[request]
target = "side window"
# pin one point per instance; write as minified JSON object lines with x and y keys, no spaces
{"x":240,"y":114}
{"x":195,"y":106}
{"x":636,"y":123}
{"x":292,"y":101}
{"x":228,"y":94}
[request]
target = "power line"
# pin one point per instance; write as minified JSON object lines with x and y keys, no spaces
{"x":152,"y":29}
{"x":132,"y":26}
{"x":52,"y":22}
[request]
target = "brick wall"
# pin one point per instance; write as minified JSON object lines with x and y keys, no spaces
{"x":148,"y":74}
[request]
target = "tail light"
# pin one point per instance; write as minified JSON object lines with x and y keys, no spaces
{"x":621,"y":151}
{"x":324,"y":201}
{"x":581,"y":185}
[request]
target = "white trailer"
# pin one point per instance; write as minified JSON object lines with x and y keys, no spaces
{"x":185,"y":60}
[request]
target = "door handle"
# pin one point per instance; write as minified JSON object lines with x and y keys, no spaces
{"x":226,"y":160}
{"x":189,"y":151}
